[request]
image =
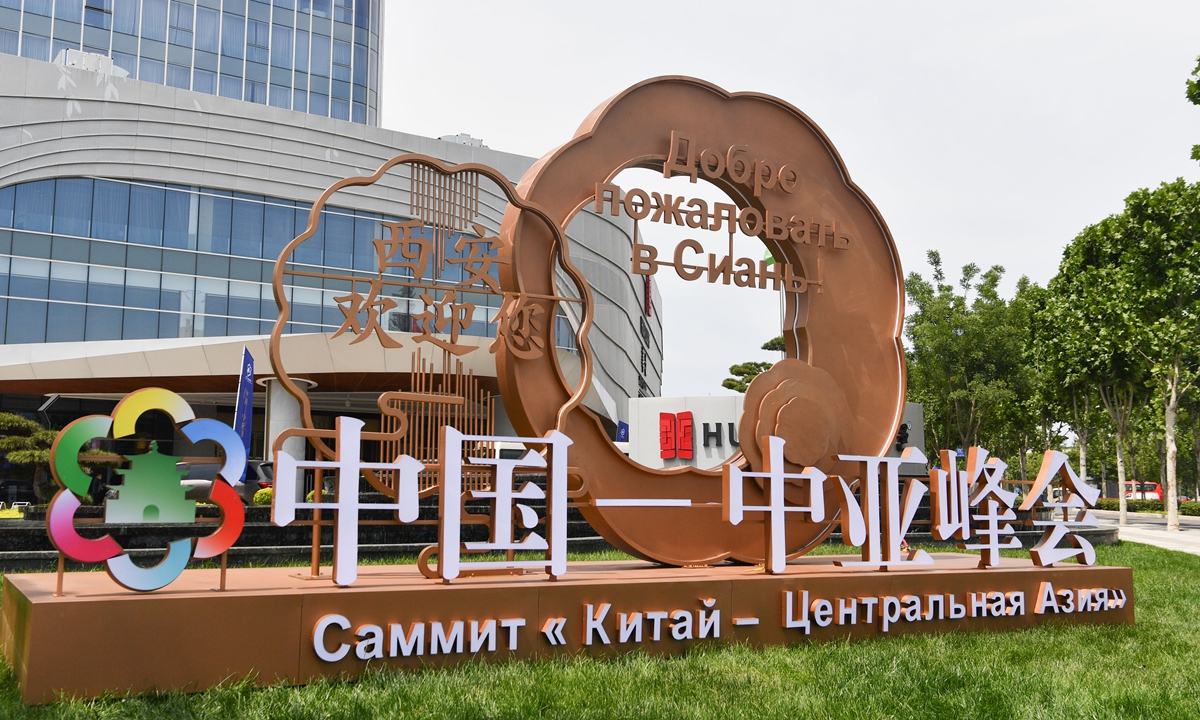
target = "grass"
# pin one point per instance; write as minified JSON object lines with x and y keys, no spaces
{"x":1054,"y":671}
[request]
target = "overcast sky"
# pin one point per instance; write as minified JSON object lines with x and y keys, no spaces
{"x":990,"y":132}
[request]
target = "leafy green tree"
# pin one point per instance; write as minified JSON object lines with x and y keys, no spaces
{"x":747,"y":371}
{"x":775,"y":345}
{"x":966,"y":353}
{"x":1161,"y":236}
{"x":1095,"y":339}
{"x":743,"y":374}
{"x":27,"y":445}
{"x":1193,"y":96}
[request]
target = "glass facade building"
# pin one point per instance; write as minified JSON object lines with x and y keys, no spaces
{"x":314,"y":56}
{"x":94,"y":259}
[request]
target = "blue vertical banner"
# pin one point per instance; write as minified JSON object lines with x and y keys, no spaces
{"x":243,"y":414}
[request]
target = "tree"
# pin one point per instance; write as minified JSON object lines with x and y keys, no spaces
{"x":744,"y":373}
{"x":26,"y":445}
{"x":747,"y":371}
{"x":965,"y":355}
{"x":1161,"y":234}
{"x":1095,"y":339}
{"x":1193,"y":96}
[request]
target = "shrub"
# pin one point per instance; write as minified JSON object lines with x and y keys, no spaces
{"x":312,"y":494}
{"x":263,"y":497}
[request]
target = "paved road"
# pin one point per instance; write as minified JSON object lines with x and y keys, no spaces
{"x":1146,"y":528}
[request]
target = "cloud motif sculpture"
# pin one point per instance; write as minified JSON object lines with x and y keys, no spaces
{"x":152,"y":492}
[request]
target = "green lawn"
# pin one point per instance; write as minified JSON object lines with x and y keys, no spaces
{"x":1053,"y":672}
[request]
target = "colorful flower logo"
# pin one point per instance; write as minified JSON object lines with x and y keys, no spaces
{"x":151,"y":491}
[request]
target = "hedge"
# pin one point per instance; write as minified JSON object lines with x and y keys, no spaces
{"x":1185,"y":508}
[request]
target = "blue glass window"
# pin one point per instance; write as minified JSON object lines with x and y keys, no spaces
{"x":256,"y":92}
{"x":246,"y":239}
{"x":65,"y":323}
{"x":244,"y":300}
{"x":26,"y":322}
{"x":181,"y":23}
{"x":73,"y":206}
{"x":312,"y":250}
{"x":177,"y":293}
{"x":258,"y":40}
{"x":233,"y":39}
{"x":34,"y":208}
{"x":140,"y":325}
{"x":35,"y":47}
{"x":151,"y":71}
{"x":365,"y":232}
{"x":145,"y":215}
{"x":3,"y":276}
{"x":106,"y":285}
{"x":126,"y":62}
{"x":287,"y":4}
{"x":318,"y":104}
{"x":360,"y":65}
{"x":341,"y":109}
{"x":204,"y":81}
{"x":360,"y":113}
{"x":38,"y":7}
{"x":215,"y":216}
{"x":14,"y":4}
{"x":208,"y":30}
{"x":280,"y":96}
{"x":110,"y":210}
{"x":339,"y":240}
{"x":231,"y":87}
{"x":103,"y":323}
{"x":320,"y":8}
{"x":341,"y":60}
{"x":306,"y":307}
{"x":9,"y":41}
{"x":177,"y":221}
{"x":70,"y":10}
{"x":68,"y":282}
{"x":299,"y":101}
{"x":171,"y":325}
{"x":179,"y":76}
{"x":281,"y":46}
{"x":320,"y":55}
{"x":154,"y":19}
{"x":301,"y":51}
{"x":141,"y":289}
{"x":125,"y":16}
{"x":362,"y":13}
{"x":6,"y":206}
{"x":278,"y":224}
{"x":98,"y":13}
{"x":29,"y":278}
{"x":343,"y":10}
{"x":57,"y":46}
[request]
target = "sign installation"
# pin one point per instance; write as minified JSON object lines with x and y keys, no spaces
{"x":809,"y":451}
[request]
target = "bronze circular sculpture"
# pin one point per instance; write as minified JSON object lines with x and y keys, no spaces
{"x":842,"y":389}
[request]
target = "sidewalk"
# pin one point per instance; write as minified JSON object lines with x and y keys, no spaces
{"x":1151,"y":529}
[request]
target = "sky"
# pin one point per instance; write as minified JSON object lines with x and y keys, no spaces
{"x":990,"y":132}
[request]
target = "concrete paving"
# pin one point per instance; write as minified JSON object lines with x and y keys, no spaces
{"x":1151,"y":529}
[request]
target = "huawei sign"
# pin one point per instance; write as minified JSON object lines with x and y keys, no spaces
{"x":675,"y":435}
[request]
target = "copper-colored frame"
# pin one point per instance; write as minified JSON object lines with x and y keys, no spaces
{"x":851,"y":330}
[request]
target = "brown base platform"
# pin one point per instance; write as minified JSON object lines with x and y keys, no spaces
{"x":99,"y":638}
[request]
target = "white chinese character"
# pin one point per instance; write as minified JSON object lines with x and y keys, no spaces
{"x":864,"y":526}
{"x":949,"y":488}
{"x":775,"y":508}
{"x":1079,"y":497}
{"x":349,"y":469}
{"x":984,"y":475}
{"x":450,"y":545}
